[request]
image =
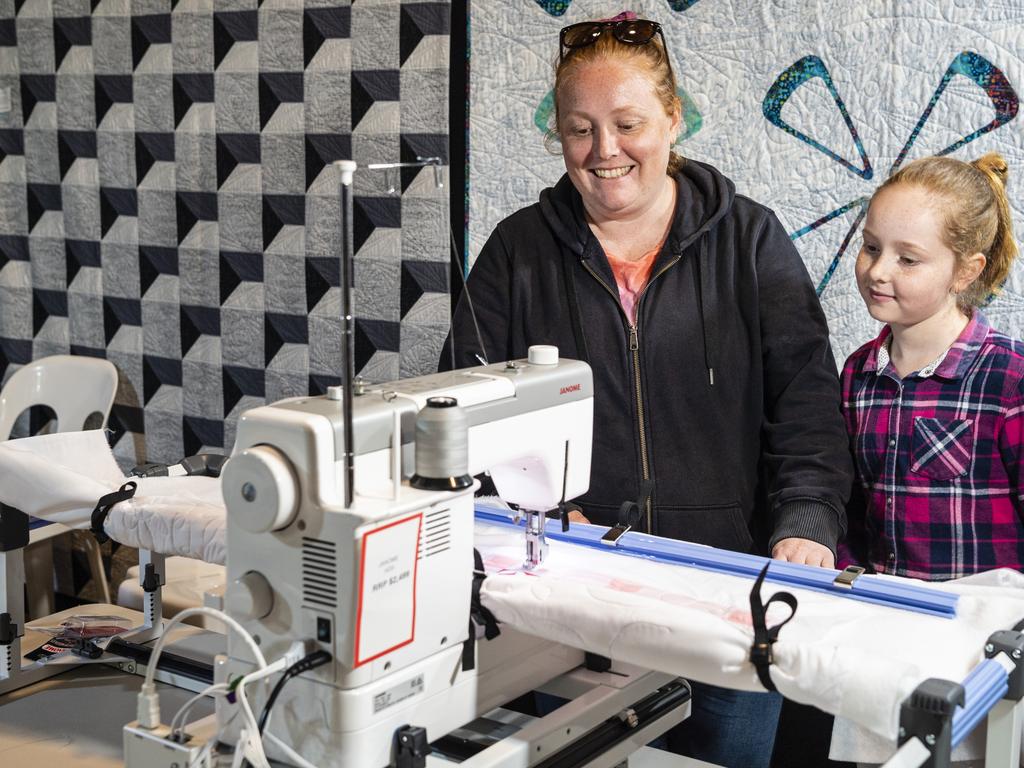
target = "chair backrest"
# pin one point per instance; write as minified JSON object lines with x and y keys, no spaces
{"x":75,"y":387}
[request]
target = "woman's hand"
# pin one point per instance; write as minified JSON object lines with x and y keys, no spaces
{"x":804,"y":551}
{"x":575,"y":516}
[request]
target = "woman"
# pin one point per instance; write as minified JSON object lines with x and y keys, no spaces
{"x":715,"y":387}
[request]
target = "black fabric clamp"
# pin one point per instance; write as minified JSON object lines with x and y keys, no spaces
{"x":479,"y":616}
{"x":630,"y":515}
{"x":765,"y":636}
{"x":103,"y":506}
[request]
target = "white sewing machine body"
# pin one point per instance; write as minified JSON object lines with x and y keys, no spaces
{"x":385,"y":585}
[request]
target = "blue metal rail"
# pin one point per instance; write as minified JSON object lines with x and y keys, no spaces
{"x":984,"y":686}
{"x":870,"y":589}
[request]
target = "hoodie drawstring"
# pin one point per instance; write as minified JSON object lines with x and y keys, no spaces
{"x":705,"y":295}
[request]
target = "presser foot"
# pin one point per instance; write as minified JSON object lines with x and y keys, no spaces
{"x":536,"y":544}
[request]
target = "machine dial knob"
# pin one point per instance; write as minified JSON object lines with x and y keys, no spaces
{"x":250,"y":596}
{"x":260,"y":489}
{"x":542,"y":354}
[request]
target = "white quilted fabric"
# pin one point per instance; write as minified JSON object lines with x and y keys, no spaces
{"x":175,"y":516}
{"x":849,"y":658}
{"x":60,"y":478}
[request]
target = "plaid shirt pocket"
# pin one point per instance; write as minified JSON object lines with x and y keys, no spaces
{"x":942,"y":448}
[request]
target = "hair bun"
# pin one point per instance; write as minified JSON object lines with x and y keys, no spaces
{"x":993,"y":164}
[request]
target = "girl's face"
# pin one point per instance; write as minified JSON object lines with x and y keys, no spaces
{"x":616,"y":138}
{"x":905,"y":272}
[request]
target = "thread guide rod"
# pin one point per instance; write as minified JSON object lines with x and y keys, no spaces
{"x":346,"y":170}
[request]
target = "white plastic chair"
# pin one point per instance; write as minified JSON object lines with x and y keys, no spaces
{"x":75,"y":388}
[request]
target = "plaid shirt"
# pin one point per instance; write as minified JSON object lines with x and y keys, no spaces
{"x":938,"y":457}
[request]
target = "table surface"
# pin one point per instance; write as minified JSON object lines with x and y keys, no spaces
{"x":75,"y":719}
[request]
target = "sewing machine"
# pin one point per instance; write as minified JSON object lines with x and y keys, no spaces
{"x":331,"y":547}
{"x":365,"y":549}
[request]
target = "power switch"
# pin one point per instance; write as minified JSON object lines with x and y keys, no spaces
{"x":323,"y":629}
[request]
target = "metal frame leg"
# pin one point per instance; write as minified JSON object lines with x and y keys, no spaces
{"x":38,"y":560}
{"x":12,"y":595}
{"x":1002,"y":742}
{"x":152,"y":576}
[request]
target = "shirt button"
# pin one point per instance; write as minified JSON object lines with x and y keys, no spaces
{"x":892,"y":443}
{"x":888,"y":502}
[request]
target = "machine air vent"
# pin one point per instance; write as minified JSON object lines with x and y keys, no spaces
{"x":436,"y":535}
{"x":319,"y":573}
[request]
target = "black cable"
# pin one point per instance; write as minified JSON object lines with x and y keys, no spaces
{"x":312,"y":661}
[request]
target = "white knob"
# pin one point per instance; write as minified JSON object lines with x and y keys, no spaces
{"x":542,"y":354}
{"x":250,"y":596}
{"x":260,"y":489}
{"x":334,"y":392}
{"x":347,"y":168}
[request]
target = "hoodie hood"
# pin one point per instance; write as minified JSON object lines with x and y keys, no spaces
{"x":704,"y":196}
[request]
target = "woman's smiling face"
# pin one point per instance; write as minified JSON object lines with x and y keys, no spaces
{"x":616,"y":138}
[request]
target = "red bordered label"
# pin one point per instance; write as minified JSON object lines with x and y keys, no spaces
{"x":386,"y":616}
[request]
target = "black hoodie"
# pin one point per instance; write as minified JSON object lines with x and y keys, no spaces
{"x":725,"y":391}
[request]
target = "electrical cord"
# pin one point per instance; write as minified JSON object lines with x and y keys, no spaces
{"x":290,"y":753}
{"x":252,"y":744}
{"x":200,"y":611}
{"x":178,"y":722}
{"x":148,"y":701}
{"x":312,"y":661}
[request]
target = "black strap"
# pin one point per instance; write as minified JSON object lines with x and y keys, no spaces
{"x":103,"y":506}
{"x":479,"y":616}
{"x":765,"y":636}
{"x":574,"y":310}
{"x":485,"y":617}
{"x":631,"y":512}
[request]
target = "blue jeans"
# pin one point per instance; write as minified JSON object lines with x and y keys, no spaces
{"x":733,"y":729}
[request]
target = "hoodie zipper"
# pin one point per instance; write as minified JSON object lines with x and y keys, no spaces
{"x":634,"y":348}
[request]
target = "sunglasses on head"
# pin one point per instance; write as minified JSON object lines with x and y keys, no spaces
{"x":629,"y":31}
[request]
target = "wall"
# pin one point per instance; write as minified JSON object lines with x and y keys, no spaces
{"x":806,"y":106}
{"x":167,"y":199}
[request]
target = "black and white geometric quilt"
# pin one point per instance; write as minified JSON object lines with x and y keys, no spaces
{"x":167,"y":199}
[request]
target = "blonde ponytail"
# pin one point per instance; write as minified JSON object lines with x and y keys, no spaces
{"x":1003,"y":251}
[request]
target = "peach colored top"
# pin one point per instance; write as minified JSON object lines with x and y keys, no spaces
{"x":631,"y":277}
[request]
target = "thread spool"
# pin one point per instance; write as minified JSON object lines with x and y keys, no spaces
{"x":442,"y":446}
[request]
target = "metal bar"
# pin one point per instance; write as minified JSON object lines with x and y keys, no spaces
{"x":619,"y":727}
{"x":169,"y":662}
{"x":866,"y":588}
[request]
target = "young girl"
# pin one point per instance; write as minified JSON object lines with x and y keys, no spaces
{"x":935,"y":405}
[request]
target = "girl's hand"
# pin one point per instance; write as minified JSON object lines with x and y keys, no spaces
{"x":804,"y":551}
